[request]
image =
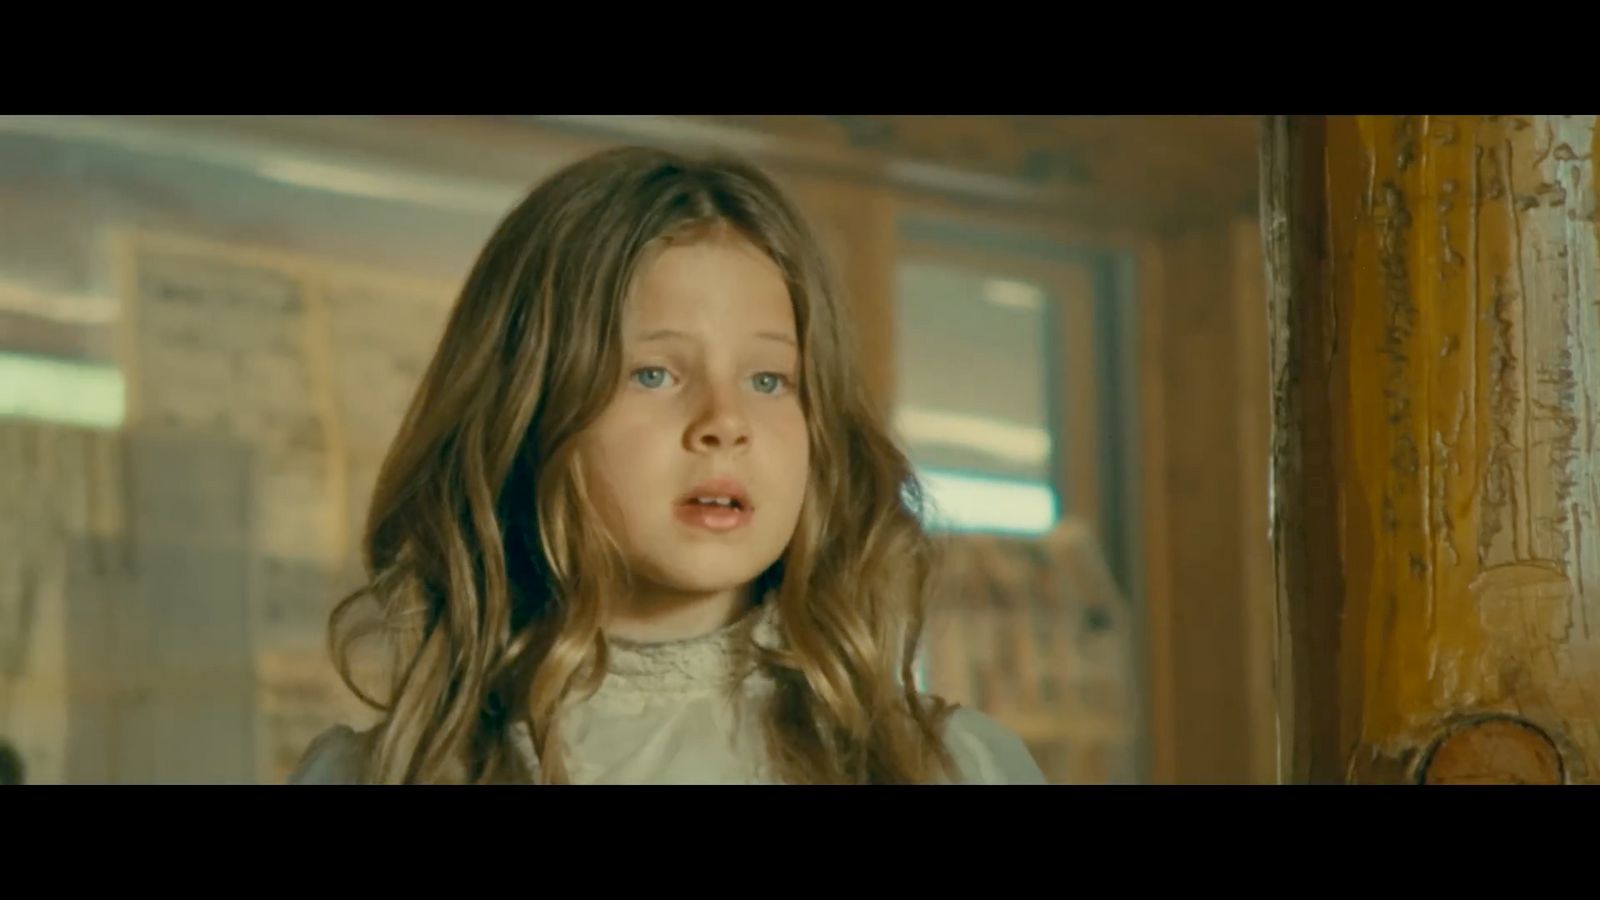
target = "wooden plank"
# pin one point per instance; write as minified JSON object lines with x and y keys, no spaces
{"x":1253,"y":408}
{"x":1309,"y":581}
{"x":1160,"y":678}
{"x":856,"y":223}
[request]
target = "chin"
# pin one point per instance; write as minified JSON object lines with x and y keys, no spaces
{"x":706,"y":573}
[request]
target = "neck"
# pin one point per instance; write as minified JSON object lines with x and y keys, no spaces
{"x":655,"y":614}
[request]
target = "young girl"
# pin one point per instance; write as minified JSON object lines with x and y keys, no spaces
{"x":641,"y":523}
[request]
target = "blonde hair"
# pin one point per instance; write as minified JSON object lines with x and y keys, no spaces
{"x":489,"y":579}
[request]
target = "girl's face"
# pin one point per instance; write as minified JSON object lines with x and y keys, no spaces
{"x":700,"y":461}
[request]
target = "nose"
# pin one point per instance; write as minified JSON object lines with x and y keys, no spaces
{"x":720,"y":424}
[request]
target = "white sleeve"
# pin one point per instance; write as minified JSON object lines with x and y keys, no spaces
{"x":334,"y":757}
{"x":986,"y":752}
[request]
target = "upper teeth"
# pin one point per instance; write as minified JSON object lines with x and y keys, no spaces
{"x":720,"y":501}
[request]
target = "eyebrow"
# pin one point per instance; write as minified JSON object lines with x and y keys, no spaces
{"x":670,"y":334}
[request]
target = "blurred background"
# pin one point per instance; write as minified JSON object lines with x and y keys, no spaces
{"x":209,"y":328}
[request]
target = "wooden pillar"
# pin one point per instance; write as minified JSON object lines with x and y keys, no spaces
{"x":1210,"y":590}
{"x":1436,"y":362}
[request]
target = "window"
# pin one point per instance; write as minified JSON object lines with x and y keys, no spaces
{"x":1013,"y":393}
{"x":974,"y":397}
{"x":1013,"y":397}
{"x":75,"y":392}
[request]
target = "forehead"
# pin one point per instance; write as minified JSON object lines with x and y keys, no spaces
{"x":714,"y":283}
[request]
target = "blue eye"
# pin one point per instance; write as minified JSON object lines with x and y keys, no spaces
{"x":769,"y":382}
{"x":650,"y":377}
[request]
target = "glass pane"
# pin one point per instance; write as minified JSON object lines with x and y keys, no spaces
{"x":973,"y":400}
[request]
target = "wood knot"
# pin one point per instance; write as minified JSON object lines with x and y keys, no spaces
{"x":1493,"y":750}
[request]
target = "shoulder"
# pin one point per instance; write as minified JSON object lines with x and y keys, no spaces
{"x":334,"y":757}
{"x":986,"y":752}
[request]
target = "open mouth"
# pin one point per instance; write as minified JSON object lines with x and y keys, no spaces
{"x":724,"y":493}
{"x":721,"y":505}
{"x":718,"y":502}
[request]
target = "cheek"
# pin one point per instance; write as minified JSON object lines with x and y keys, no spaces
{"x":802,"y":449}
{"x":626,"y":458}
{"x":618,"y":440}
{"x":606,"y":463}
{"x":597,"y":481}
{"x":794,"y":450}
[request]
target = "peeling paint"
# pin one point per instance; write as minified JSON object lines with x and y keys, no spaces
{"x":1465,"y":260}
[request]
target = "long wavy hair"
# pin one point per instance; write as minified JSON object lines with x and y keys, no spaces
{"x":488,"y":575}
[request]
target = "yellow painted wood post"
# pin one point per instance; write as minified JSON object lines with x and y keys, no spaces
{"x":1436,"y":361}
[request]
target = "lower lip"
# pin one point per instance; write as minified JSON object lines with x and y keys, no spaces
{"x":713,"y":518}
